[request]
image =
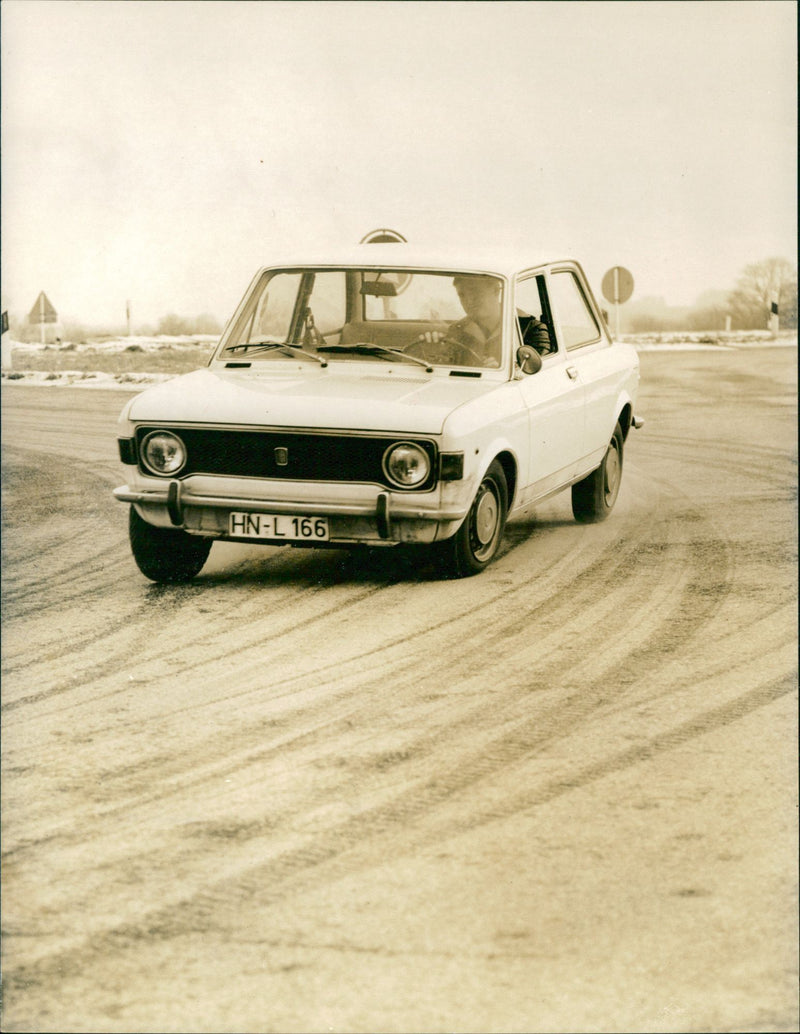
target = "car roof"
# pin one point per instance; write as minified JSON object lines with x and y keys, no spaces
{"x":498,"y":261}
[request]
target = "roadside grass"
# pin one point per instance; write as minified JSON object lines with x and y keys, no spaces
{"x":166,"y":359}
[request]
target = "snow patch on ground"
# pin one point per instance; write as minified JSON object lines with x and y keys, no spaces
{"x":14,"y":353}
{"x":80,"y":379}
{"x":710,"y":340}
{"x":134,"y":343}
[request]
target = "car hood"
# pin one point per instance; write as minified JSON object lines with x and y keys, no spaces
{"x":323,"y":398}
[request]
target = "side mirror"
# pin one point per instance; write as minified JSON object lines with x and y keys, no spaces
{"x":528,"y":359}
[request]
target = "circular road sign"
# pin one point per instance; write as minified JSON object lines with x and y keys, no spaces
{"x":387,"y":236}
{"x":384,"y":236}
{"x":617,"y":285}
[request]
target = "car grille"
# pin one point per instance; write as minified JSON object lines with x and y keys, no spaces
{"x":295,"y":456}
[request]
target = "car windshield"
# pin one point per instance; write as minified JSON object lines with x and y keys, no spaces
{"x":421,"y":318}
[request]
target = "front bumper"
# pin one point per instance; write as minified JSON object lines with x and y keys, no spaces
{"x":356,"y":513}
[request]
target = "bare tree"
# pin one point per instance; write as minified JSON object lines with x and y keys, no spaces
{"x":758,"y":286}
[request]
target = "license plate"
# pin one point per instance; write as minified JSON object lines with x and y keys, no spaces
{"x":278,"y":526}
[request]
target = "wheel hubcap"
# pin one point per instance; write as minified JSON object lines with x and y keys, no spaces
{"x":612,"y":474}
{"x":486,"y":514}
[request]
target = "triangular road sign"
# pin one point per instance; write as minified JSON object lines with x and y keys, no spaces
{"x":43,"y":311}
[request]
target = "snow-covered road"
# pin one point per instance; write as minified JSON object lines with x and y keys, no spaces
{"x":309,"y":792}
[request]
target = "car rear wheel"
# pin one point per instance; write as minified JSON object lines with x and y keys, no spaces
{"x":476,"y":542}
{"x":164,"y":554}
{"x":593,"y":498}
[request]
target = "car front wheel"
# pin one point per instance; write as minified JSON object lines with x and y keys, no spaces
{"x":593,"y":498}
{"x":164,"y":554}
{"x":476,"y":542}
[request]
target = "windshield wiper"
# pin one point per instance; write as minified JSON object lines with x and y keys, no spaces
{"x":282,"y":346}
{"x":368,"y":348}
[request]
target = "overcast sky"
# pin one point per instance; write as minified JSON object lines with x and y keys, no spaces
{"x":163,"y":151}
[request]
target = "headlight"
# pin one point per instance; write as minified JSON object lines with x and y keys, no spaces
{"x":406,"y":465}
{"x":163,"y":453}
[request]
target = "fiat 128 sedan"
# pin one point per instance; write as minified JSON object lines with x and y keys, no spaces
{"x":382,"y":396}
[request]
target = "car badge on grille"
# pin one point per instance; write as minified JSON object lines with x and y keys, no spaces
{"x":282,"y":456}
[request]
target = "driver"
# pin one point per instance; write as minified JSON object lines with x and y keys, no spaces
{"x":478,"y":333}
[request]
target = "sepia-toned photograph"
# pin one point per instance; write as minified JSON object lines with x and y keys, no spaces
{"x":399,"y":516}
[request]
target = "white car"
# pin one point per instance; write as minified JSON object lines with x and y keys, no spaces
{"x":382,"y":396}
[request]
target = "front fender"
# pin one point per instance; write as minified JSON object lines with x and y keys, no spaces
{"x":477,"y":460}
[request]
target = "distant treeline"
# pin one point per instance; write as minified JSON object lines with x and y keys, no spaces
{"x":71,"y":330}
{"x":749,"y":306}
{"x":175,"y":326}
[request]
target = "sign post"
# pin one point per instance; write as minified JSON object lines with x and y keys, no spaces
{"x":617,"y":288}
{"x":773,"y":321}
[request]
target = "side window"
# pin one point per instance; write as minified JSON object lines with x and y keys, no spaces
{"x":575,"y":318}
{"x":532,"y":317}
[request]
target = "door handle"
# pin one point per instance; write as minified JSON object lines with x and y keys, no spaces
{"x":572,"y":372}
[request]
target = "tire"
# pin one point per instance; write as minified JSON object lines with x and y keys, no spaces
{"x":164,"y":555}
{"x":476,"y":542}
{"x":593,"y":498}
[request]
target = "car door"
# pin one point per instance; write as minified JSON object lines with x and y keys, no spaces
{"x":554,"y":396}
{"x":589,"y":352}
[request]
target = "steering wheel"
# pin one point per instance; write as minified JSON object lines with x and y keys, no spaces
{"x":447,"y":350}
{"x":463,"y":339}
{"x":469,"y":353}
